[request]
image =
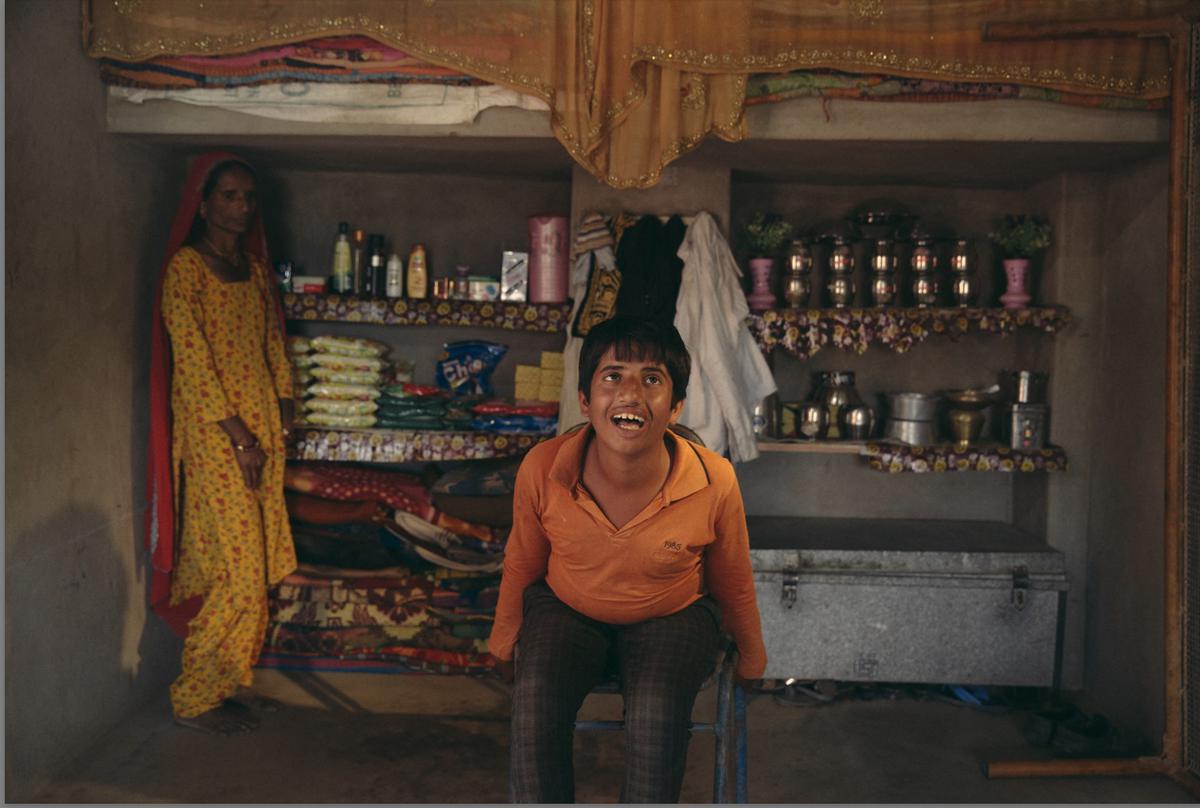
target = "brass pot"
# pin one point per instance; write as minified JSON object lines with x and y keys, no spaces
{"x":966,"y":426}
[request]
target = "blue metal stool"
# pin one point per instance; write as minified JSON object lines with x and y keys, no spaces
{"x":729,"y":727}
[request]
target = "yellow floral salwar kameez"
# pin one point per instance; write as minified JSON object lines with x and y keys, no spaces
{"x":228,"y":359}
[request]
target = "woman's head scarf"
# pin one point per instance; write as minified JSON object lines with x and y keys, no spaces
{"x":161,"y":515}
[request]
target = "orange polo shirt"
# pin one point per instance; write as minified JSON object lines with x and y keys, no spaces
{"x":690,"y":540}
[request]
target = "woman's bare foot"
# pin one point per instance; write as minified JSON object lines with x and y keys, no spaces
{"x":248,"y":698}
{"x":228,"y":719}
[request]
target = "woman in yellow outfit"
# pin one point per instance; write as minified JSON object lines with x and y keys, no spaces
{"x":231,"y":410}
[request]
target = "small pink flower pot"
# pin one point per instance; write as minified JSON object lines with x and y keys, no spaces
{"x":761,"y":297}
{"x":1016,"y":272}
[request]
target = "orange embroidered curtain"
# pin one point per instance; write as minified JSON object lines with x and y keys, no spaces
{"x":633,"y":84}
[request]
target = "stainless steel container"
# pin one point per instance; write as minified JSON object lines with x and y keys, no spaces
{"x":902,"y":600}
{"x":841,"y":290}
{"x":835,"y":391}
{"x":914,"y":433}
{"x":925,"y":289}
{"x":858,"y":422}
{"x":1023,"y":386}
{"x":913,"y":406}
{"x":797,"y":284}
{"x":1025,"y":425}
{"x":811,"y":419}
{"x":882,"y":288}
{"x":963,"y":289}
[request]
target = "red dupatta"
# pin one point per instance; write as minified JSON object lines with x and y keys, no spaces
{"x":162,"y":524}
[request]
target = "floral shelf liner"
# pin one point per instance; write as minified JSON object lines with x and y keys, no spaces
{"x":803,"y":332}
{"x":406,"y":446}
{"x":549,"y":318}
{"x":896,"y":459}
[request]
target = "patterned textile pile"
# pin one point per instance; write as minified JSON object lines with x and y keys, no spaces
{"x":388,"y":580}
{"x":766,"y":88}
{"x":340,"y":59}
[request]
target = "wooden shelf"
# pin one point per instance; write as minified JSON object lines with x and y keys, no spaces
{"x":548,"y":318}
{"x":803,"y":332}
{"x":406,"y":446}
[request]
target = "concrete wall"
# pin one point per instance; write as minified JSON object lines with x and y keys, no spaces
{"x":1124,"y":669}
{"x":86,"y":225}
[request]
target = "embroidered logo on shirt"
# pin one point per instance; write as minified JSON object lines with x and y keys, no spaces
{"x":673,"y":546}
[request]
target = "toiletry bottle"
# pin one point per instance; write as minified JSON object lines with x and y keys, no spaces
{"x":418,"y":277}
{"x":395,"y":276}
{"x":342,"y":275}
{"x":358,"y":262}
{"x":378,"y":267}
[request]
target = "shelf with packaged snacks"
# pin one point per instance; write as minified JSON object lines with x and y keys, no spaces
{"x":803,"y":332}
{"x":548,"y":318}
{"x":405,"y":445}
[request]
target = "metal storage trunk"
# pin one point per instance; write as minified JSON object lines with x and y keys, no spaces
{"x":892,"y":600}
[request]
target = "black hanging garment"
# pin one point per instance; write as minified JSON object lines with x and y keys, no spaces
{"x":650,"y":269}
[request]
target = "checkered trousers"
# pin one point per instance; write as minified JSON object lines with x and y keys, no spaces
{"x":562,"y":655}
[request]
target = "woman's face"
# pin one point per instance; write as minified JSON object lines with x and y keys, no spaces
{"x":232,"y":203}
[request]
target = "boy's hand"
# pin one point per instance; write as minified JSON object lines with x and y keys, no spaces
{"x":504,"y":667}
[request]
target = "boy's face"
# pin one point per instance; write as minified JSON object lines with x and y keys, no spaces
{"x":630,"y":404}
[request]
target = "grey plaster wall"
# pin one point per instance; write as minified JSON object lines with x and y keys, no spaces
{"x":1124,"y":663}
{"x":85,"y":232}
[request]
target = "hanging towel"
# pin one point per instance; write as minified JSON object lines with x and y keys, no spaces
{"x":595,"y":265}
{"x":729,"y":374}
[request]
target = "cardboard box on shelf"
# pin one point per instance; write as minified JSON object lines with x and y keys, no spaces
{"x":549,"y":392}
{"x":552,"y":360}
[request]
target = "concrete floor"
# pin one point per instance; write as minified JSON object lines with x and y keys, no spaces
{"x":365,"y":738}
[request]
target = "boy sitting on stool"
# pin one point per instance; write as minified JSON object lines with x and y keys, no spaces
{"x":628,"y":544}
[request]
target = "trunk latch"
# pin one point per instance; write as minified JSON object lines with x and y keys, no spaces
{"x":1020,"y":585}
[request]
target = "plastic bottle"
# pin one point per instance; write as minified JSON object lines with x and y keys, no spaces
{"x":395,"y":276}
{"x":376,"y":266}
{"x":358,"y":255}
{"x":343,"y":276}
{"x":418,"y":274}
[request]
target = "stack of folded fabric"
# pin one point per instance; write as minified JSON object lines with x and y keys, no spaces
{"x":385,"y":576}
{"x":325,"y":59}
{"x":349,"y":375}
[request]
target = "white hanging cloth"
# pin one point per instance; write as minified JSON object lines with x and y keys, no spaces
{"x":730,"y":376}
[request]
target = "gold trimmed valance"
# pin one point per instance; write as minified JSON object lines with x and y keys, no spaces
{"x":633,"y":84}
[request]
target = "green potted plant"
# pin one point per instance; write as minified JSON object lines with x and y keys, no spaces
{"x":1019,"y":238}
{"x":764,"y":236}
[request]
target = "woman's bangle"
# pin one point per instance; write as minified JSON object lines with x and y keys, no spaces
{"x":287,"y":433}
{"x":245,"y":447}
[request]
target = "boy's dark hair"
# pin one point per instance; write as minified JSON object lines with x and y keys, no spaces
{"x":635,"y":338}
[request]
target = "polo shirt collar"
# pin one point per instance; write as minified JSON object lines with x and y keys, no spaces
{"x":687,"y":476}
